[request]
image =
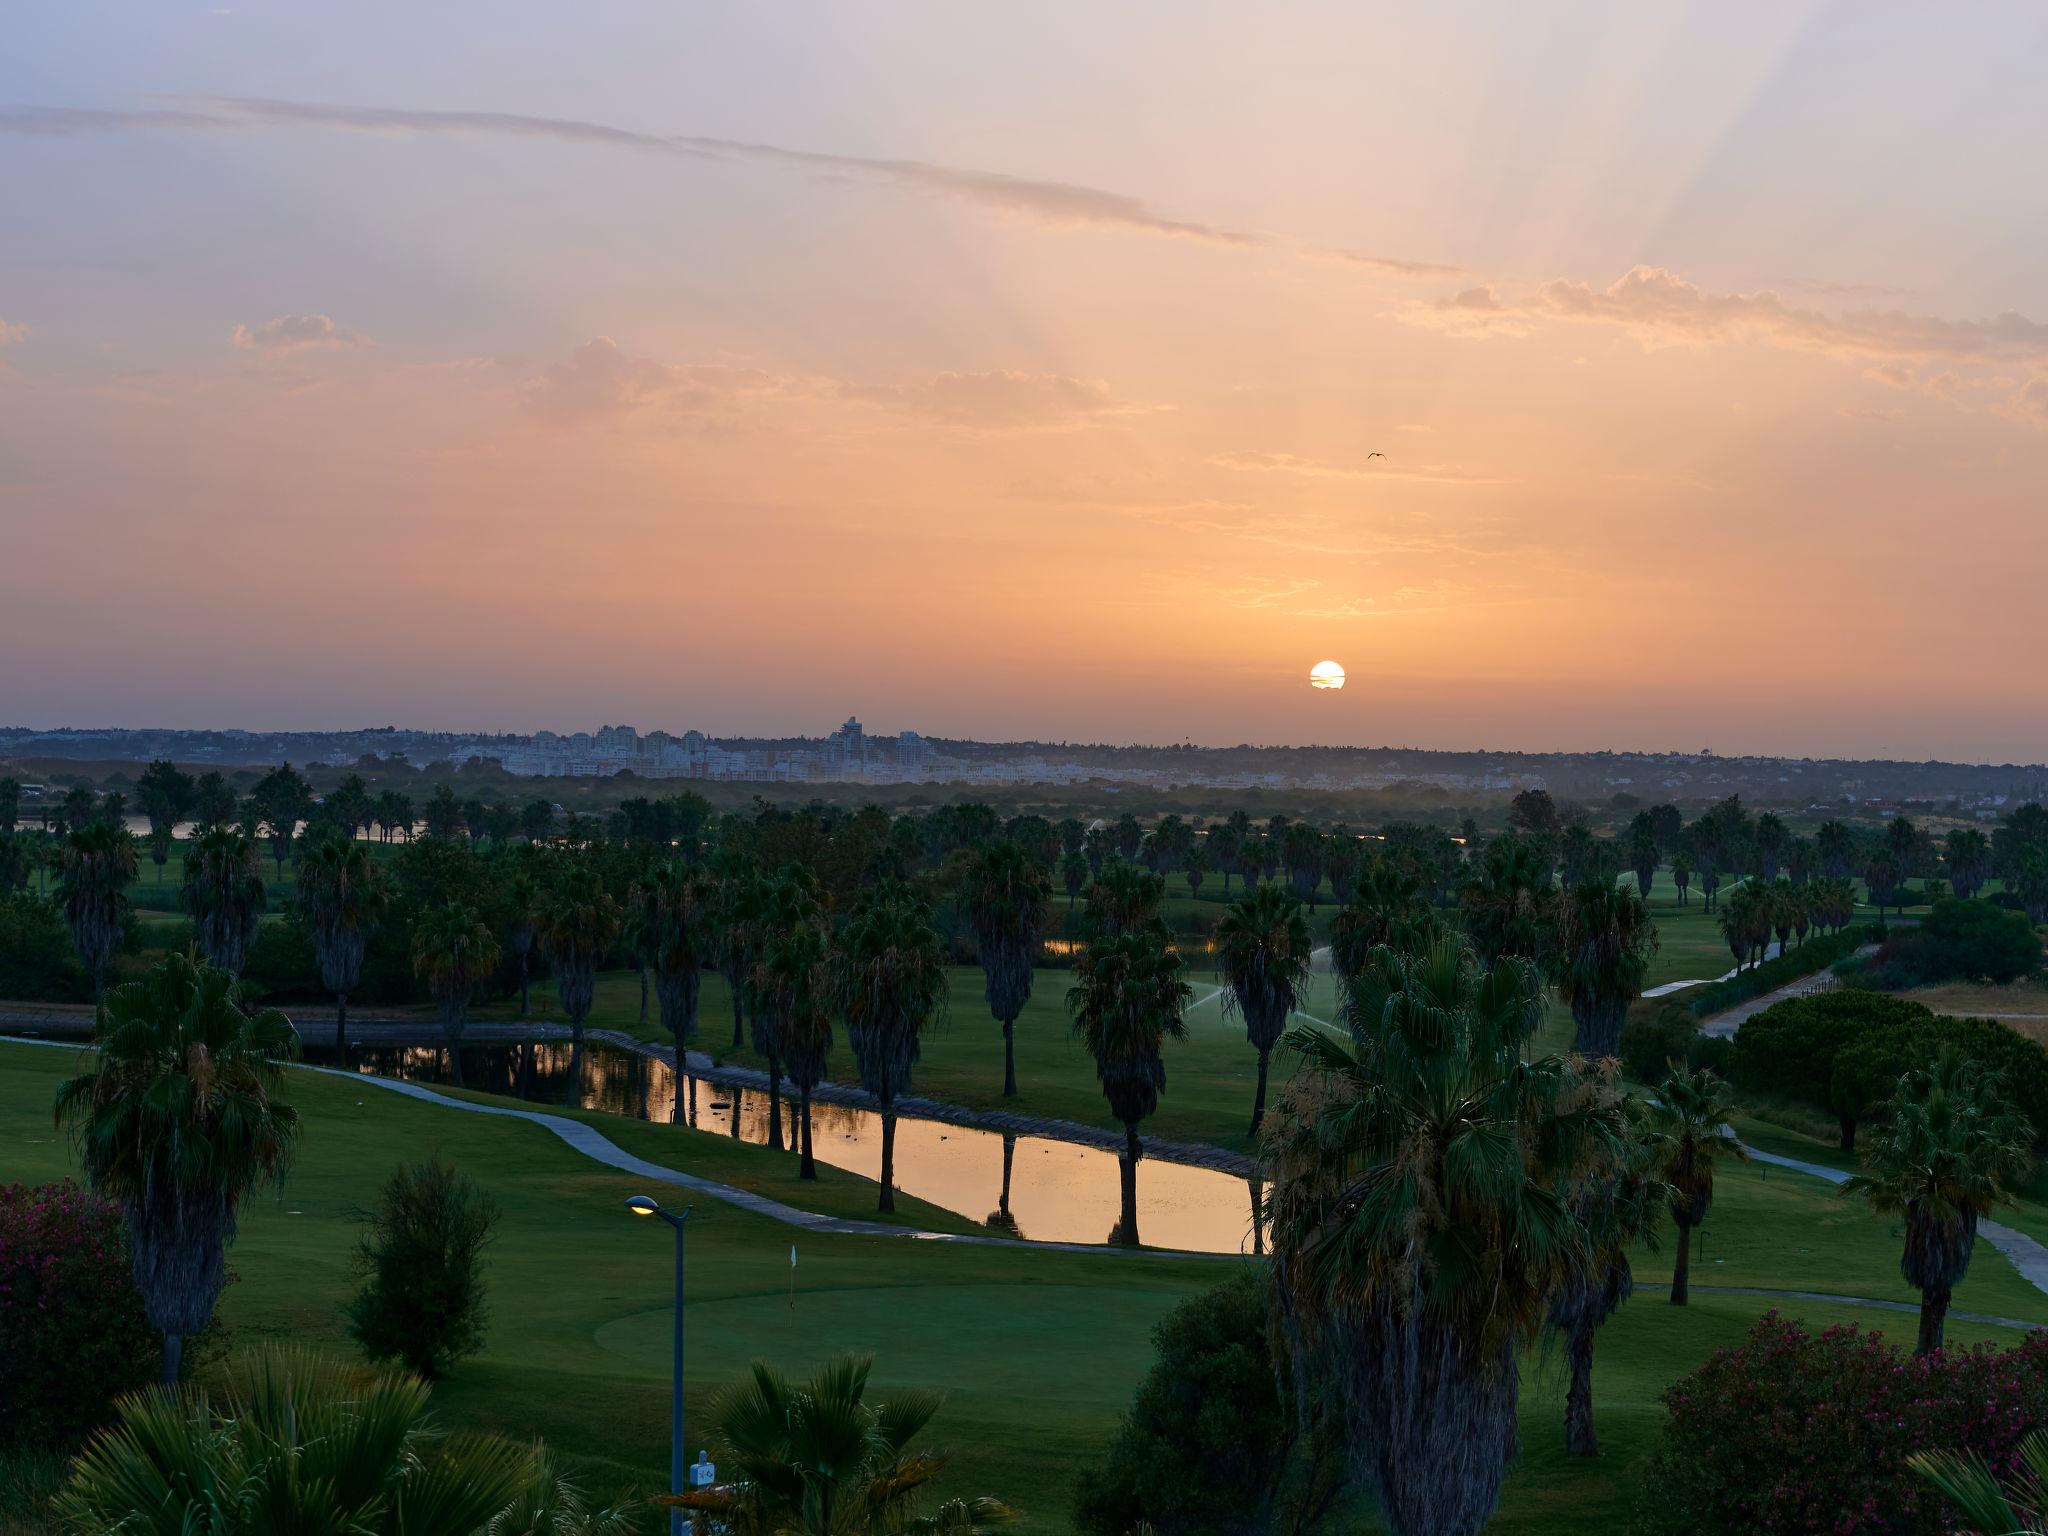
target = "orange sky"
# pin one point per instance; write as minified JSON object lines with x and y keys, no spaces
{"x":1018,"y":374}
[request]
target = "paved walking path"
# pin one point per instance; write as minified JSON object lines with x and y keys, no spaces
{"x":1724,"y":1024}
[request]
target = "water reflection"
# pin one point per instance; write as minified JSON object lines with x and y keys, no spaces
{"x":1053,"y":1191}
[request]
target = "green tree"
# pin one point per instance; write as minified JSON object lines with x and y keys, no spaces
{"x":737,"y":896}
{"x":676,"y":933}
{"x":577,"y":923}
{"x":1507,"y":903}
{"x":522,"y":901}
{"x":1123,"y":899}
{"x":295,"y":1443}
{"x":1952,"y":1148}
{"x":1643,"y":851}
{"x":286,"y":799}
{"x":787,"y":905}
{"x":223,"y":892}
{"x":891,"y":984}
{"x":341,"y":897}
{"x":1127,"y":1001}
{"x":1263,"y":948}
{"x":1073,"y":876}
{"x":793,"y":986}
{"x":819,"y":1458}
{"x":10,"y":805}
{"x":422,"y":1261}
{"x":1008,"y":897}
{"x":95,"y":868}
{"x":1422,"y":1221}
{"x":1693,"y":1135}
{"x":1600,"y":954}
{"x":453,"y":952}
{"x":213,"y":800}
{"x":178,"y":1116}
{"x":444,"y":813}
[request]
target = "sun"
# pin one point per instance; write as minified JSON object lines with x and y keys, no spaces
{"x":1326,"y":674}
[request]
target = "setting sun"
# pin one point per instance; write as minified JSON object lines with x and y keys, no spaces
{"x":1326,"y":674}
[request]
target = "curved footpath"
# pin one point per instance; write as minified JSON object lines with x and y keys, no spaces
{"x":593,"y":1144}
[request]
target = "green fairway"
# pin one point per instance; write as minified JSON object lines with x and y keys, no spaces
{"x":1039,"y":1351}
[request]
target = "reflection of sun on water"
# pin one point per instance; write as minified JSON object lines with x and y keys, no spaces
{"x":1326,"y":674}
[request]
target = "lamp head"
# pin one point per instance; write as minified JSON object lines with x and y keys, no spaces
{"x":643,"y":1205}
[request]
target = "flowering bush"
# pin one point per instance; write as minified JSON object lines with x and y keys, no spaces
{"x":73,"y":1336}
{"x":1792,"y":1433}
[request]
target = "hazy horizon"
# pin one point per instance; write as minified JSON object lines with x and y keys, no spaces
{"x":1593,"y":373}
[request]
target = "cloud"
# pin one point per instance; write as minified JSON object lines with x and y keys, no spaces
{"x":1315,"y":469}
{"x":9,"y":334}
{"x":997,"y":402}
{"x":294,"y":333}
{"x":599,"y":379}
{"x":1055,"y":203}
{"x":1396,"y":266}
{"x":2030,"y":402}
{"x":1659,"y":309}
{"x":1872,"y":412}
{"x":1306,"y":598}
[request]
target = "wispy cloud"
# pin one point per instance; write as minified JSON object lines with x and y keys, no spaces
{"x":294,"y":333}
{"x":1316,"y":469}
{"x":1055,"y":203}
{"x":1659,"y":309}
{"x":1000,"y":401}
{"x":1393,"y":266}
{"x":9,"y":334}
{"x":600,"y":379}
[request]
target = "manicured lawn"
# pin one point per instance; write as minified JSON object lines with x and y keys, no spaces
{"x":1038,"y":1351}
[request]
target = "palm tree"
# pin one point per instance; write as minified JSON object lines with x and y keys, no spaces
{"x":1263,"y":945}
{"x":1600,"y":955}
{"x":1387,"y":906}
{"x":1196,"y":870}
{"x":890,"y":981}
{"x":820,"y":1459}
{"x":1968,"y":856}
{"x":2017,"y":1507}
{"x":787,"y":906}
{"x":793,"y":987}
{"x":1643,"y":851}
{"x":1127,"y":1001}
{"x":1123,"y":899}
{"x":296,"y":1443}
{"x":1617,"y":1202}
{"x":1073,"y":875}
{"x":1693,"y":1135}
{"x":224,"y":893}
{"x":177,"y":1118}
{"x":341,"y":898}
{"x":577,"y":923}
{"x":1952,"y":1148}
{"x":676,"y":941}
{"x":1008,"y":896}
{"x":1506,"y":903}
{"x":522,"y":898}
{"x":453,"y":950}
{"x":97,"y":864}
{"x":1422,"y":1220}
{"x":737,"y":894}
{"x":1681,"y":875}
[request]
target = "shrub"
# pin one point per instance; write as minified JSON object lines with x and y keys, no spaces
{"x":37,"y":962}
{"x":1210,"y":1446}
{"x":422,"y":1301}
{"x":1651,"y":1046}
{"x":1792,"y":1433}
{"x":1976,"y":940}
{"x":73,"y":1336}
{"x":1816,"y":954}
{"x":281,"y":966}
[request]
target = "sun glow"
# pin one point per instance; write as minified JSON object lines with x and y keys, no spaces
{"x":1326,"y":674}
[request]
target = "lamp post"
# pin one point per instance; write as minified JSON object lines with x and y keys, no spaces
{"x":646,"y":1205}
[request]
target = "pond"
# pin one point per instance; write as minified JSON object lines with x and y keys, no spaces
{"x":1030,"y":1186}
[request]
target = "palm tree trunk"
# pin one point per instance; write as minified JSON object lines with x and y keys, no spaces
{"x":888,"y":1201}
{"x":682,"y":1067}
{"x":739,"y":1023}
{"x":452,"y":1028}
{"x":738,"y":1101}
{"x":1258,"y":1188}
{"x":341,"y":1028}
{"x":1848,"y":1124}
{"x":643,"y":997}
{"x":1009,"y":1058}
{"x":1682,"y":1269}
{"x":807,"y":1167}
{"x":524,"y":1012}
{"x":1579,"y":1439}
{"x":1009,"y":1159}
{"x":1127,"y":1173}
{"x":775,"y":1102}
{"x":1933,"y":1317}
{"x":1259,"y":1099}
{"x":174,"y":1354}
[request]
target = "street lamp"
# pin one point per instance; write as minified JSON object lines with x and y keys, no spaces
{"x":647,"y":1205}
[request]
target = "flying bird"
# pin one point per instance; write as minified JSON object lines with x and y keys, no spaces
{"x":1371,"y":456}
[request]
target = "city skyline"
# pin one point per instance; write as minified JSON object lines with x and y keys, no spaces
{"x":1607,"y":375}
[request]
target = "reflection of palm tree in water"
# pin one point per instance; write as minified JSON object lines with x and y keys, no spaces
{"x":572,"y":1085}
{"x":739,"y":1104}
{"x":693,"y":1101}
{"x":1000,"y":1218}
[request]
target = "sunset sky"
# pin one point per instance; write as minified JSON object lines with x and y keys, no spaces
{"x":1014,"y":370}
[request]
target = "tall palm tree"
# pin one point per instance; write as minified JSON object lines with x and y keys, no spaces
{"x":178,"y":1116}
{"x":224,"y":893}
{"x":1681,"y":875}
{"x":1599,"y":956}
{"x":1643,"y":851}
{"x":577,"y":923}
{"x":1951,"y":1148}
{"x":522,"y":901}
{"x":737,"y":894}
{"x":1123,"y":899}
{"x":1263,"y":945}
{"x":793,"y":986}
{"x":1422,"y":1220}
{"x":1008,"y":896}
{"x":341,"y":898}
{"x":676,"y":935}
{"x":1617,"y":1200}
{"x":786,"y":906}
{"x":453,"y":950}
{"x":1127,"y":1001}
{"x":820,"y":1459}
{"x":1507,"y":902}
{"x":1693,"y":1135}
{"x":96,"y":865}
{"x":891,"y":984}
{"x":1388,"y":906}
{"x":1073,"y":876}
{"x":295,"y":1443}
